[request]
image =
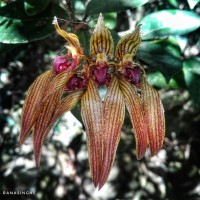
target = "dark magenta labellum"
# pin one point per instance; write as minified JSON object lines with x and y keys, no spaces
{"x":102,"y":77}
{"x":62,"y":63}
{"x":133,"y":74}
{"x":76,"y":83}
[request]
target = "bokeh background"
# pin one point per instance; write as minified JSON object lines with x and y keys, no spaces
{"x":170,"y":55}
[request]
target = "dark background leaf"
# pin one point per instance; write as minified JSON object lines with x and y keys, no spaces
{"x":17,"y":27}
{"x":105,"y":6}
{"x":191,"y":69}
{"x":164,"y":56}
{"x":34,"y":7}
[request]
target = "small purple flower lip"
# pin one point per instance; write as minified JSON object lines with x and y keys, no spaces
{"x":102,"y":77}
{"x":133,"y":74}
{"x":76,"y":83}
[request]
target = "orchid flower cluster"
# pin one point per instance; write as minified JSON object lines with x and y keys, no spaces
{"x":76,"y":77}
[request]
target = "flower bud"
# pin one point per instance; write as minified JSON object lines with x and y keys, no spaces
{"x":62,"y":63}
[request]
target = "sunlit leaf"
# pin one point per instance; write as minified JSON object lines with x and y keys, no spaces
{"x":193,"y":3}
{"x":167,"y":22}
{"x":34,"y":7}
{"x":105,"y":6}
{"x":157,"y":79}
{"x":173,"y":3}
{"x":17,"y":27}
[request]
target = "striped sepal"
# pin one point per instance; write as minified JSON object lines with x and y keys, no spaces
{"x":45,"y":85}
{"x":92,"y":115}
{"x":42,"y":122}
{"x":101,"y":41}
{"x":49,"y":114}
{"x":114,"y":111}
{"x":71,"y":38}
{"x":154,"y":116}
{"x":32,"y":103}
{"x":134,"y":107}
{"x":128,"y":44}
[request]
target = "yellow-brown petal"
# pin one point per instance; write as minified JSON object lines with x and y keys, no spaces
{"x":42,"y":122}
{"x":45,"y":85}
{"x":34,"y":97}
{"x":92,"y":115}
{"x":71,"y":38}
{"x":49,"y":114}
{"x":114,"y":111}
{"x":154,"y":116}
{"x":128,"y":44}
{"x":101,"y":40}
{"x":134,"y":107}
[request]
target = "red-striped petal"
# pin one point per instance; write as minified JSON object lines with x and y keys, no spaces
{"x":71,"y":38}
{"x":114,"y":111}
{"x":154,"y":116}
{"x":92,"y":115}
{"x":45,"y":85}
{"x":128,"y":44}
{"x":32,"y":101}
{"x":101,"y":40}
{"x":42,"y":122}
{"x":49,"y":114}
{"x":134,"y":107}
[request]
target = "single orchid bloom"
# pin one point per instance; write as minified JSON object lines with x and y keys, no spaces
{"x":76,"y":77}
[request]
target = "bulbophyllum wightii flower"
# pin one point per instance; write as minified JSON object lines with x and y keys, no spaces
{"x":76,"y":77}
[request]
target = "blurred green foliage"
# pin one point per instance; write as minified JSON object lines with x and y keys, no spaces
{"x":170,"y":55}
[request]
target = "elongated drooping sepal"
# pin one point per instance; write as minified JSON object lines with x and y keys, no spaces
{"x":42,"y":121}
{"x":45,"y":85}
{"x":153,"y":116}
{"x":113,"y":118}
{"x":92,"y":115}
{"x":49,"y":114}
{"x":135,"y":109}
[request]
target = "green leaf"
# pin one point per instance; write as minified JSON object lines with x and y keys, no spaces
{"x":34,"y":7}
{"x":169,"y":22}
{"x":105,"y":6}
{"x":157,"y":79}
{"x":173,"y":3}
{"x":84,"y":38}
{"x":17,"y":27}
{"x":191,"y":69}
{"x":163,"y":56}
